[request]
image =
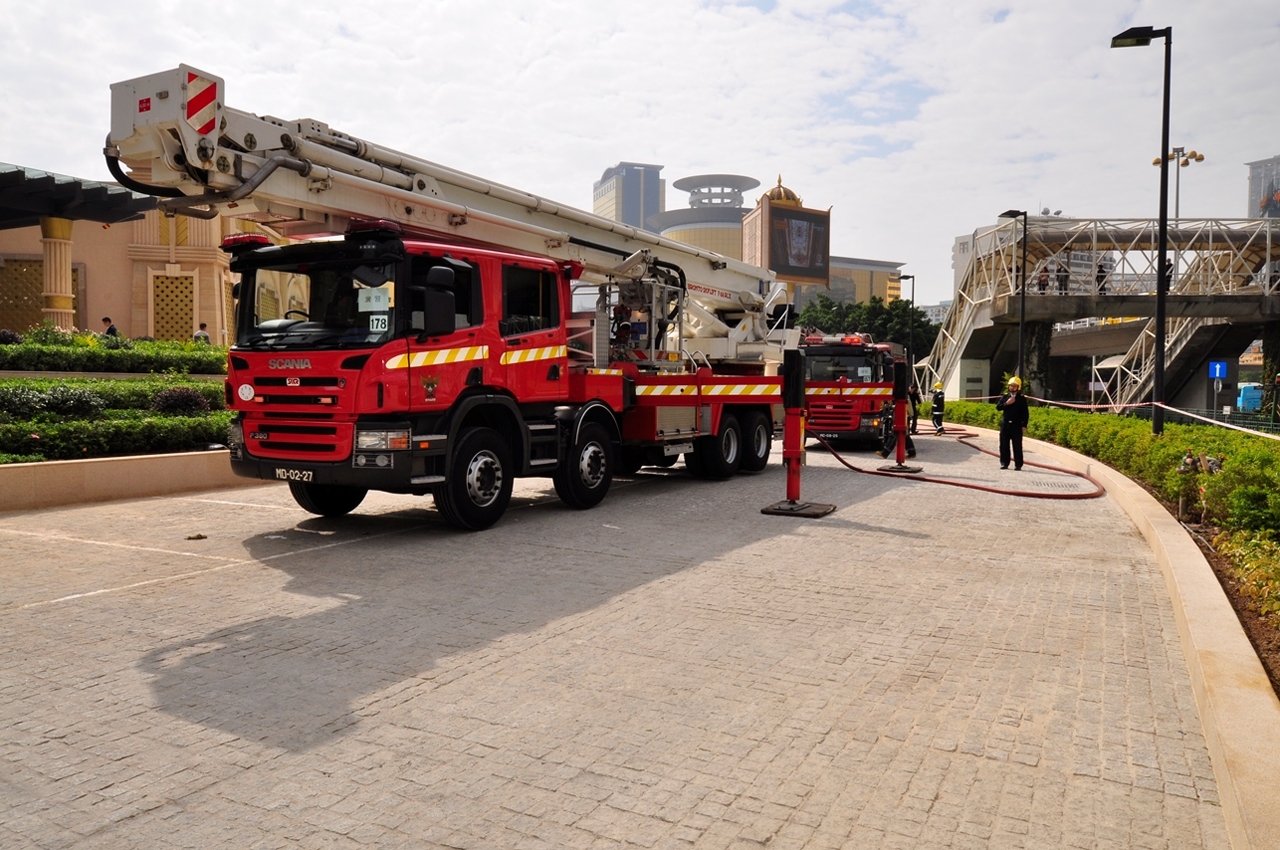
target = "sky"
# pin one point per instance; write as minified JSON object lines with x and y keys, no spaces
{"x":914,"y":122}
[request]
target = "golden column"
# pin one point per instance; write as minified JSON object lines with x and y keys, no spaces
{"x":59,"y":295}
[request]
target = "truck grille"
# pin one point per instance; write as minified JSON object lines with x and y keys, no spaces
{"x":298,"y":391}
{"x":833,"y":416}
{"x":272,"y":438}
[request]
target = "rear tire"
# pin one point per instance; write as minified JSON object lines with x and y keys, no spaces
{"x":478,"y":490}
{"x":583,"y":480}
{"x":757,"y":438}
{"x":721,"y":455}
{"x":326,"y":499}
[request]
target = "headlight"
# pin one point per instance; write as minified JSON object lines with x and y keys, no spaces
{"x":235,"y":434}
{"x":382,"y":440}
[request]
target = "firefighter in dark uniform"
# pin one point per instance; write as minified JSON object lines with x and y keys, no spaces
{"x":1013,"y":421}
{"x":938,"y":408}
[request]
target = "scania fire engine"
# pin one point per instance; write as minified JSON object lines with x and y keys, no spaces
{"x":427,"y":343}
{"x":848,"y":382}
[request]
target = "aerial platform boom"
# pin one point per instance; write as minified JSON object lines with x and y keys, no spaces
{"x":302,"y":177}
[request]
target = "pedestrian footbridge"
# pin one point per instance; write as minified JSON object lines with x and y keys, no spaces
{"x":1225,"y":282}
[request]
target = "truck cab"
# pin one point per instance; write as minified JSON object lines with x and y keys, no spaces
{"x":848,"y":381}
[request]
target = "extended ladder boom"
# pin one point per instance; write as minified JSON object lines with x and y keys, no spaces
{"x":301,"y":178}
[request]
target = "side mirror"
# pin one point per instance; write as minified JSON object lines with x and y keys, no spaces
{"x":432,"y":313}
{"x":235,"y":290}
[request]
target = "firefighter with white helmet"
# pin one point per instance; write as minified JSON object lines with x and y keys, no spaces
{"x":1013,"y":421}
{"x":939,"y":407}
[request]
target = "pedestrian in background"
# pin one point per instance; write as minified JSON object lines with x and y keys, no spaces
{"x":108,"y":327}
{"x":939,"y":408}
{"x":1013,"y":421}
{"x":202,"y":335}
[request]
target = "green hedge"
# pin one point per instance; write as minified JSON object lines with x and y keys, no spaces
{"x":21,"y":398}
{"x":1251,"y":464}
{"x":142,"y":357}
{"x":71,"y":439}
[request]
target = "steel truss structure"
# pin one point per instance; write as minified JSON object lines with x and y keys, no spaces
{"x":1101,"y":257}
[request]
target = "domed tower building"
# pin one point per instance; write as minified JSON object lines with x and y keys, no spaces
{"x":713,"y":219}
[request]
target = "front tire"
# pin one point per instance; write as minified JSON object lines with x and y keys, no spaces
{"x":326,"y":499}
{"x":757,"y":437}
{"x":478,"y":490}
{"x":584,"y":478}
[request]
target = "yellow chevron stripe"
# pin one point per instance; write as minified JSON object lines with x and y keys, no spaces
{"x":741,"y":389}
{"x":604,"y":372}
{"x":665,"y":389}
{"x":438,"y":357}
{"x":529,"y":355}
{"x":872,"y":392}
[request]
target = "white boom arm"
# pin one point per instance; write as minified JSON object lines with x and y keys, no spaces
{"x":300,"y":177}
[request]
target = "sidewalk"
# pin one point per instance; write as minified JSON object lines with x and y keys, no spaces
{"x":928,"y":666}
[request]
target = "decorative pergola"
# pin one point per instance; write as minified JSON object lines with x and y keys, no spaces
{"x":55,"y":201}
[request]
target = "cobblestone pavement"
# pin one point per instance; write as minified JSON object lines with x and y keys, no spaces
{"x":926,"y":667}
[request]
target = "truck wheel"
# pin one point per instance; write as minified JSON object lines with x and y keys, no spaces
{"x":326,"y":499}
{"x":721,"y":455}
{"x":584,"y":478}
{"x":479,"y":486}
{"x":757,"y":435}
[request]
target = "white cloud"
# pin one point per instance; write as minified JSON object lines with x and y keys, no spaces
{"x":915,"y":120}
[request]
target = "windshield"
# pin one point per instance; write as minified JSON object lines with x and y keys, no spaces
{"x":858,"y":368}
{"x":317,"y":305}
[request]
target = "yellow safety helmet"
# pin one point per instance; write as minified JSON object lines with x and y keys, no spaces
{"x":938,"y":385}
{"x":1015,"y":382}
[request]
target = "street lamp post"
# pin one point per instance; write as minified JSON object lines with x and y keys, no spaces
{"x":1022,"y":289}
{"x":1141,"y":37}
{"x":911,"y":324}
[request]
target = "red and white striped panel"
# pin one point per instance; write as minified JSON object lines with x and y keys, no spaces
{"x":202,"y":103}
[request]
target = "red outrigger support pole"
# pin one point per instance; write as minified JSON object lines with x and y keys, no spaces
{"x":900,"y":403}
{"x":793,"y":441}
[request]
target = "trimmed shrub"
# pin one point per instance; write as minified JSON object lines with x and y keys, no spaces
{"x":180,"y":401}
{"x":7,"y":458}
{"x":8,"y":337}
{"x":69,"y":400}
{"x":155,"y":357}
{"x":20,"y":401}
{"x":83,"y":439}
{"x":46,"y":333}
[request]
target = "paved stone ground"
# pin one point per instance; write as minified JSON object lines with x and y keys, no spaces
{"x":926,"y":667}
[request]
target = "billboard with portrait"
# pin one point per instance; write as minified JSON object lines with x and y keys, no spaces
{"x":799,"y":243}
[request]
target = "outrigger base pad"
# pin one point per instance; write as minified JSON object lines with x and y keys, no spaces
{"x":901,"y":467}
{"x":808,"y":510}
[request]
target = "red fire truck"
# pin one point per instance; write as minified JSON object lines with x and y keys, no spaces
{"x":848,"y":382}
{"x":433,"y":348}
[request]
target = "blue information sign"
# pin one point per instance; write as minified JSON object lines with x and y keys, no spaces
{"x":1217,"y":369}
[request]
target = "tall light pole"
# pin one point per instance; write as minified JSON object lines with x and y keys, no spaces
{"x":1022,"y":288}
{"x":1141,"y":37}
{"x":911,"y":324}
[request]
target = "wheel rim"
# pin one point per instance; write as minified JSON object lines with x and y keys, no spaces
{"x":484,"y":479}
{"x":729,"y":445}
{"x":761,"y":440}
{"x":591,"y":465}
